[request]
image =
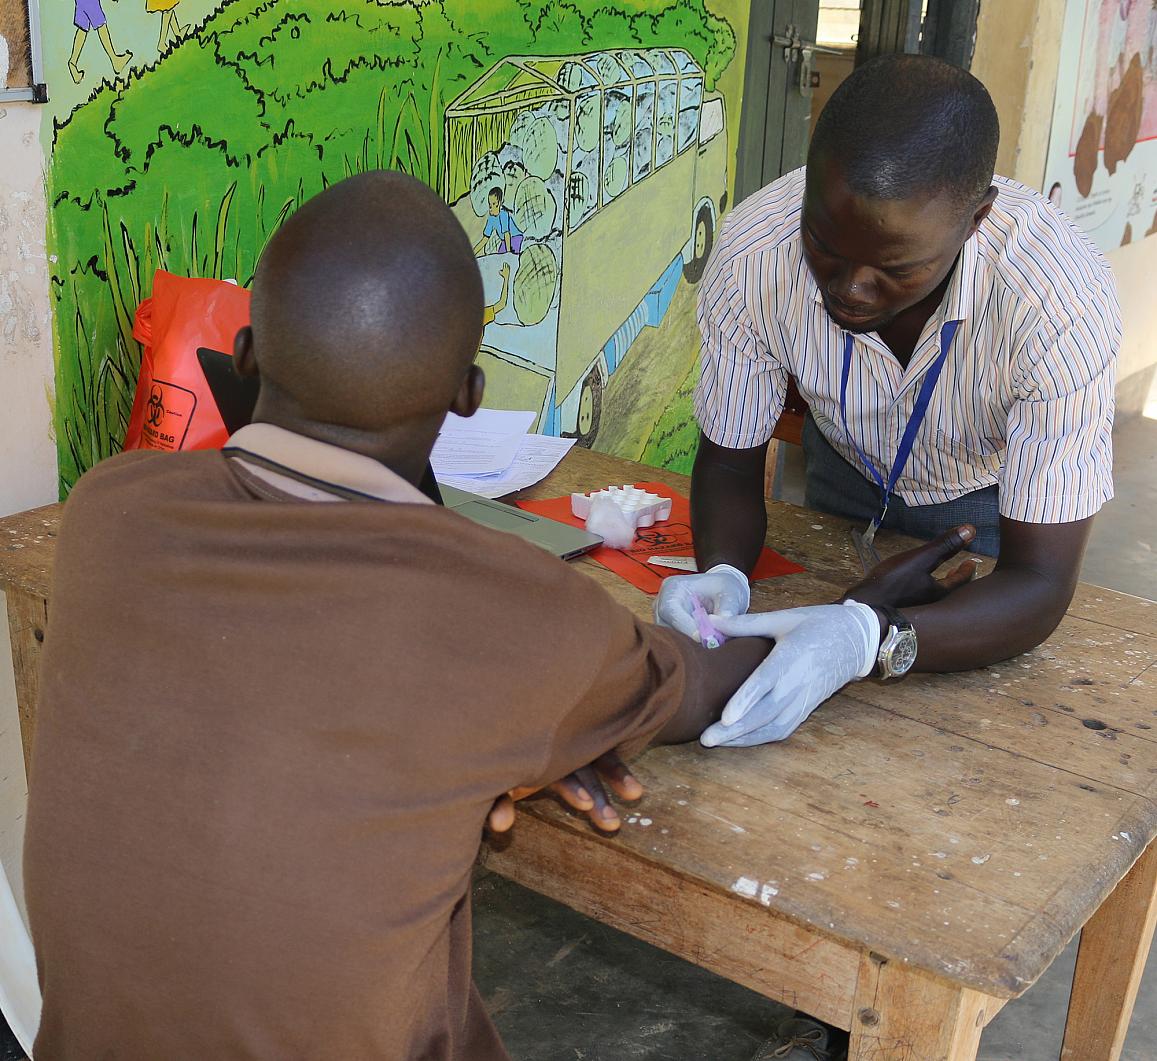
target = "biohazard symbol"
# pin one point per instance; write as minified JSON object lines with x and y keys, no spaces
{"x":155,"y":412}
{"x":668,"y":536}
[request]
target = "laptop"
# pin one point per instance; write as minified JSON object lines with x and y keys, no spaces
{"x":558,"y":538}
{"x":236,"y":398}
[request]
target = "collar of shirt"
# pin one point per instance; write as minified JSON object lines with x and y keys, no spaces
{"x":310,"y":470}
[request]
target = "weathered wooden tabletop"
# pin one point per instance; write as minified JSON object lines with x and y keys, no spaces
{"x":966,"y":824}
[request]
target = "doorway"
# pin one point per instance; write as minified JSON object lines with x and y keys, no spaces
{"x":799,"y":51}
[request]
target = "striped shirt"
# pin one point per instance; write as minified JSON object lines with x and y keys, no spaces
{"x":1025,"y":400}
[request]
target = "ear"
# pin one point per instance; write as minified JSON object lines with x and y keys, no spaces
{"x":244,"y":361}
{"x":469,"y":397}
{"x":982,"y":211}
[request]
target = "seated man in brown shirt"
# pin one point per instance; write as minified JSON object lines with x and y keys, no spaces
{"x":281,"y":690}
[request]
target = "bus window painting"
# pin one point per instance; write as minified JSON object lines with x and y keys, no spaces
{"x":614,"y":165}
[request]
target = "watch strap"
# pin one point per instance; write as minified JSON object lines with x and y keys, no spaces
{"x":895,"y":619}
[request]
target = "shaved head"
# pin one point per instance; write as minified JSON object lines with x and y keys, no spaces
{"x":367,"y":308}
{"x":910,"y":126}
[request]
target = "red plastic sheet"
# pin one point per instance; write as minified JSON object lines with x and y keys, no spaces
{"x":672,"y":537}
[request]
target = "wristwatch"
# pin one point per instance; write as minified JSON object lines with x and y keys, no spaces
{"x":897,"y":646}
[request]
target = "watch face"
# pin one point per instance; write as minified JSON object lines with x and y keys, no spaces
{"x":903,"y":653}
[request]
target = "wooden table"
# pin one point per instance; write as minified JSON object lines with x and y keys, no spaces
{"x":913,"y":857}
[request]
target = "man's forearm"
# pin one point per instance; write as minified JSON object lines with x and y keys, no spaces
{"x":713,"y":676}
{"x":994,"y":618}
{"x":989,"y":620}
{"x":728,"y":517}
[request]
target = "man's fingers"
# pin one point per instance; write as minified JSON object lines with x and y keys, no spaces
{"x":945,"y":546}
{"x":602,"y":814}
{"x":677,"y":618}
{"x":573,"y":793}
{"x":960,"y":575}
{"x":522,"y":793}
{"x":772,"y":625}
{"x":618,"y":775}
{"x":501,"y":816}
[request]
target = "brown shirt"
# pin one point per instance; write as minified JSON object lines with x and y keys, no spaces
{"x":270,"y":732}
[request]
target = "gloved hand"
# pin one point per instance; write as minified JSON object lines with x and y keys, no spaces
{"x":817,"y":651}
{"x":722,"y":590}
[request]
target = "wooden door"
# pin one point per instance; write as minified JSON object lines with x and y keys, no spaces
{"x":776,"y":113}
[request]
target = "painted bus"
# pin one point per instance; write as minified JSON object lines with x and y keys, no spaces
{"x":596,"y":182}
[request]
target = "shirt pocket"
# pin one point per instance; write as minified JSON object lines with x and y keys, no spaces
{"x":971,"y":447}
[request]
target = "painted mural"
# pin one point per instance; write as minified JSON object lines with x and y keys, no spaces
{"x":585,"y":146}
{"x":1102,"y":159}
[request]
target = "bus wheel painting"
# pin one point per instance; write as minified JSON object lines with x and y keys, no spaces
{"x":702,"y":239}
{"x":590,"y":409}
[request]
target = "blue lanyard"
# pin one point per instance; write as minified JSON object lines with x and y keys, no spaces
{"x":947,"y":334}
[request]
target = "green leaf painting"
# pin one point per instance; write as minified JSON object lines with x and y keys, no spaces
{"x":190,"y":163}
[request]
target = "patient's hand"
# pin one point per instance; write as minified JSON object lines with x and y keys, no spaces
{"x":583,"y":791}
{"x":906,"y":580}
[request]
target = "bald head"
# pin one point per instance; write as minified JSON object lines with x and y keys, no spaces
{"x":909,"y":126}
{"x":367,"y":308}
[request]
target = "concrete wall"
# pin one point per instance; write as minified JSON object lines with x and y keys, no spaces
{"x":1017,"y":54}
{"x":28,"y":462}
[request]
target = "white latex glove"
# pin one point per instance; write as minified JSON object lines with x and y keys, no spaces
{"x":722,"y":590}
{"x":817,"y":652}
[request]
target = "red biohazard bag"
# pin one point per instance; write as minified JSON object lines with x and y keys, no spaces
{"x":174,"y":408}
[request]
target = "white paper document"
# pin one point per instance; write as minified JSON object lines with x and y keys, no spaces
{"x":483,"y":444}
{"x":537,"y":457}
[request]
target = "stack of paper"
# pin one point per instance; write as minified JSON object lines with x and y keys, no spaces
{"x":490,"y":453}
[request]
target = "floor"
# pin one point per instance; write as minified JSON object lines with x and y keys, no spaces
{"x":565,"y":988}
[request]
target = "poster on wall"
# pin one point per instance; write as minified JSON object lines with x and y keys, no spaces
{"x":1102,"y":159}
{"x":586,"y":146}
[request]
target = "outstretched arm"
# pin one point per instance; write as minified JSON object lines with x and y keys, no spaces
{"x":713,"y":676}
{"x":990,"y":619}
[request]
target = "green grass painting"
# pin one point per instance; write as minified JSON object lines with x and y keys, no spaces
{"x":193,"y":162}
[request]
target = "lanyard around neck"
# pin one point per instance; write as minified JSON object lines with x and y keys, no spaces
{"x":947,"y":334}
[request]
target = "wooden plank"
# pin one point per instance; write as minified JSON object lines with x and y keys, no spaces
{"x":1102,"y":757}
{"x":883,"y":834}
{"x":27,"y":546}
{"x":1110,"y":963}
{"x":903,"y":1015}
{"x":1097,"y":677}
{"x":1110,"y":608}
{"x":745,"y":943}
{"x":27,"y":622}
{"x":770,"y":464}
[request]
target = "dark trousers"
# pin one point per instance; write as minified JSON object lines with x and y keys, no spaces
{"x":835,"y":486}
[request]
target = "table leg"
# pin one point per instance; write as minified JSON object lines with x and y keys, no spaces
{"x":901,"y":1014}
{"x":27,"y":620}
{"x":1110,"y":960}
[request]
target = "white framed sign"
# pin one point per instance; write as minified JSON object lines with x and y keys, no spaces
{"x":1102,"y":157}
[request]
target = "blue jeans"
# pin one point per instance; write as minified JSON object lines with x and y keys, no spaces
{"x":835,"y":486}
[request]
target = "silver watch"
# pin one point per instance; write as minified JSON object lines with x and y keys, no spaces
{"x":897,"y":647}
